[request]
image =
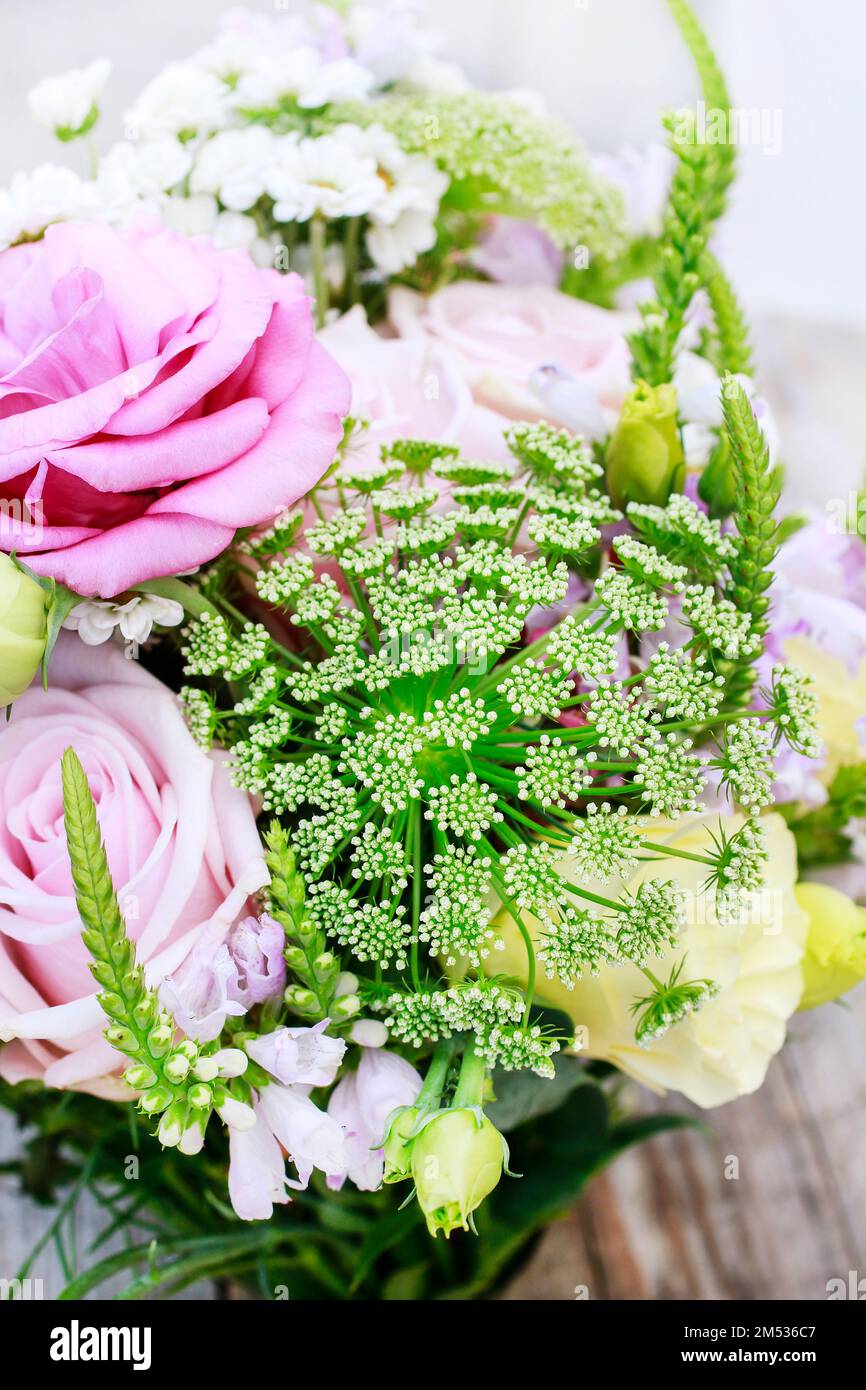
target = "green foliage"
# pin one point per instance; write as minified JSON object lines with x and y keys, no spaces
{"x":331,"y":1246}
{"x":821,"y":834}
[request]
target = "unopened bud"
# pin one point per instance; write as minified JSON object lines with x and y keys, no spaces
{"x":155,"y":1100}
{"x":176,"y":1068}
{"x":231,"y":1061}
{"x":140,"y":1077}
{"x":200,"y":1097}
{"x":345,"y":1007}
{"x":171,"y":1125}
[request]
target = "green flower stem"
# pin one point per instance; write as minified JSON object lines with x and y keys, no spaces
{"x":190,"y":598}
{"x":318,"y":235}
{"x":350,"y":253}
{"x":470,"y":1083}
{"x":666,"y":851}
{"x":430,"y":1094}
{"x":416,"y":893}
{"x":512,"y":908}
{"x":591,"y":897}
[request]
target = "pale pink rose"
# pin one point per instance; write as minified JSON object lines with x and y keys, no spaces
{"x":156,"y":396}
{"x":182,"y":846}
{"x":504,"y":336}
{"x":410,"y":390}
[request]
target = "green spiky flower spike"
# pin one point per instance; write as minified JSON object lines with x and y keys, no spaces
{"x":179,"y":1081}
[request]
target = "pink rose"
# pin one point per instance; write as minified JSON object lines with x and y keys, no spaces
{"x":156,"y":395}
{"x":509,"y":338}
{"x":409,"y":390}
{"x":181,"y":840}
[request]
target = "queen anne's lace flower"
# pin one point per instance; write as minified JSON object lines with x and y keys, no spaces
{"x":605,"y":842}
{"x":440,"y":771}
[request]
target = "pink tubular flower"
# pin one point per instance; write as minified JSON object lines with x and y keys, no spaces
{"x":225,"y":977}
{"x":362,"y":1103}
{"x":182,"y":846}
{"x":156,"y":396}
{"x":257,"y":1172}
{"x":299,"y":1056}
{"x":503,"y":335}
{"x":311,"y":1138}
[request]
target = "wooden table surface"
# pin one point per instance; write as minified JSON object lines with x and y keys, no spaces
{"x":665,"y":1221}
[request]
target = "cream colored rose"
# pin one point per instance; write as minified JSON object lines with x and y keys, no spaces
{"x":724,"y":1050}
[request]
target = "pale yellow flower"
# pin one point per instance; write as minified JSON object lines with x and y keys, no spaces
{"x":842,"y":701}
{"x":835,"y":957}
{"x":724,"y":1050}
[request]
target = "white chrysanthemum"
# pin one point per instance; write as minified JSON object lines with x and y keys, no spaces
{"x":95,"y":619}
{"x":399,"y":245}
{"x":131,"y":174}
{"x":233,"y":165}
{"x":411,"y":188}
{"x":302,"y":74}
{"x":724,"y":1050}
{"x":46,"y":194}
{"x":180,"y":100}
{"x":324,"y":176}
{"x":68,"y":103}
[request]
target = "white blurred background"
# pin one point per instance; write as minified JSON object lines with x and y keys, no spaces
{"x":792,"y":240}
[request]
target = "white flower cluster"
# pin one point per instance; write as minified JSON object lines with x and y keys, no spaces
{"x":200,"y":150}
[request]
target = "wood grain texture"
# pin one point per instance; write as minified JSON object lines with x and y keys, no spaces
{"x":664,"y":1222}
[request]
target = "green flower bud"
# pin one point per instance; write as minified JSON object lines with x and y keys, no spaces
{"x":23,"y":629}
{"x":200,"y":1097}
{"x":645,"y":461}
{"x":122,"y":1039}
{"x":154,"y":1101}
{"x":171,"y":1125}
{"x":295,"y":958}
{"x":325,"y":966}
{"x":159,"y":1040}
{"x":302,"y":1000}
{"x":176,"y":1068}
{"x":457,"y":1160}
{"x":345,"y":1007}
{"x":398,"y":1144}
{"x":140,"y":1077}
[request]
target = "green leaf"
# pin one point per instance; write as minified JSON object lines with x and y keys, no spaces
{"x":522,"y":1096}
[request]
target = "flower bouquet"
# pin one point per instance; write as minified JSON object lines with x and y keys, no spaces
{"x":422,"y":657}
